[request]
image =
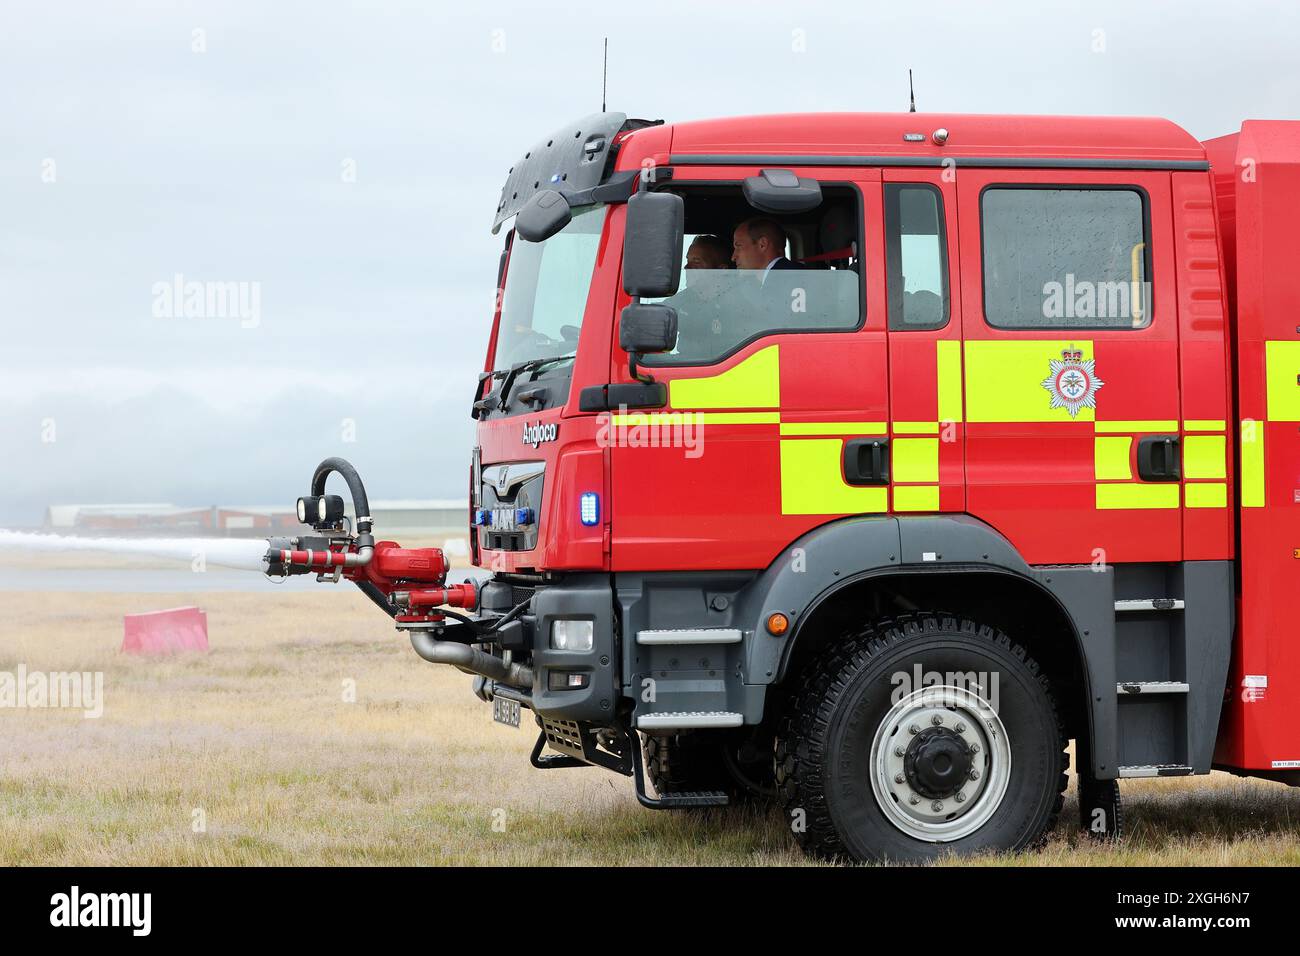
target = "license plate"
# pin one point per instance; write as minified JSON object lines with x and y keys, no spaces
{"x":505,"y":711}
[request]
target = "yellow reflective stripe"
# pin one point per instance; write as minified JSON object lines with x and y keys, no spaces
{"x":1204,"y":425}
{"x":1207,"y":495}
{"x":833,"y":428}
{"x":949,"y":376}
{"x":689,"y":419}
{"x":1111,"y":457}
{"x":914,"y":459}
{"x":1004,"y":380}
{"x":1138,"y":425}
{"x":754,"y":383}
{"x":916,"y":498}
{"x":812,"y":481}
{"x":1137,"y":495}
{"x":1252,"y":464}
{"x":916,"y":428}
{"x":1205,"y":456}
{"x":1282,"y":366}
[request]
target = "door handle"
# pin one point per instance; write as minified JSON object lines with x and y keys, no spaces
{"x":1159,"y":458}
{"x":866,"y":461}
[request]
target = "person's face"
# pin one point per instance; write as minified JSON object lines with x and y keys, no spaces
{"x":748,"y":254}
{"x":701,"y":256}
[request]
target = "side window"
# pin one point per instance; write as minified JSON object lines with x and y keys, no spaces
{"x":748,"y":274}
{"x":916,"y":256}
{"x":1066,"y":257}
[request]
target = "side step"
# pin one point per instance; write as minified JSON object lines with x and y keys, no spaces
{"x":1152,"y":687}
{"x":1156,"y":770}
{"x":669,"y":801}
{"x":1150,"y":604}
{"x":690,"y":720}
{"x":691,"y":635}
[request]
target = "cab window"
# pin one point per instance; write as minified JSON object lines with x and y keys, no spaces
{"x":747,"y":274}
{"x":1065,"y":257}
{"x":916,"y":256}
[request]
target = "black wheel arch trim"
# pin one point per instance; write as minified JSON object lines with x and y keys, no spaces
{"x":847,"y":551}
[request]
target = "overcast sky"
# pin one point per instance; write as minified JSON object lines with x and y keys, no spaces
{"x":344,"y":160}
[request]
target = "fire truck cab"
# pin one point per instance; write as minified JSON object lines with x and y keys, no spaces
{"x":864,"y":461}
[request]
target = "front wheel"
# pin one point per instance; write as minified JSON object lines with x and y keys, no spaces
{"x":921,"y":736}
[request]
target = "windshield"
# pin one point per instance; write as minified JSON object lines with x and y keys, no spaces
{"x":546,"y":291}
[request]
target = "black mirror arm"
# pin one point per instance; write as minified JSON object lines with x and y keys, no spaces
{"x":632,"y":358}
{"x":635,"y":372}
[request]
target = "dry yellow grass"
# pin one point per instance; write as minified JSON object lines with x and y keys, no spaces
{"x":257,"y":736}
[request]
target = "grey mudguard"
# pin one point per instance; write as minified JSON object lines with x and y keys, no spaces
{"x":826,"y":558}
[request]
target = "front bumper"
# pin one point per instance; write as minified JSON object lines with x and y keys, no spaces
{"x":580,"y":597}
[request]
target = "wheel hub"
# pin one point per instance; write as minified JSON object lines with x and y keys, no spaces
{"x":940,"y":763}
{"x":937,"y":763}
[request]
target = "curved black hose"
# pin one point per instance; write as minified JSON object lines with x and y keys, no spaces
{"x":378,"y":596}
{"x":510,"y":615}
{"x":360,"y":503}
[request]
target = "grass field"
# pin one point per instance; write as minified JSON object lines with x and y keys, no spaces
{"x":250,"y":754}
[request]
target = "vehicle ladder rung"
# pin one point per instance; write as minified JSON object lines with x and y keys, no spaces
{"x":1152,"y":687}
{"x":1149,"y":604}
{"x":1156,"y":770}
{"x":691,"y":635}
{"x":689,"y":720}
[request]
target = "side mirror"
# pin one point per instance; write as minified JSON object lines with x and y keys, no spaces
{"x":543,"y":216}
{"x":652,"y":245}
{"x":647,"y":328}
{"x":781,"y":191}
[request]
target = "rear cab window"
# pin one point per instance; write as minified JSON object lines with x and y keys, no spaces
{"x":1066,"y":257}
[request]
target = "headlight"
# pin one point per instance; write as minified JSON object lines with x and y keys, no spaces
{"x":572,"y":635}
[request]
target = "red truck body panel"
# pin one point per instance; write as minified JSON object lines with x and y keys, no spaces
{"x":1218,"y":360}
{"x":1257,"y":192}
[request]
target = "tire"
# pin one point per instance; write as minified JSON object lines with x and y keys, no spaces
{"x":686,"y":762}
{"x":979,"y":775}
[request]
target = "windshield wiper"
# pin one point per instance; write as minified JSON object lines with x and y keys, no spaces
{"x":532,"y":365}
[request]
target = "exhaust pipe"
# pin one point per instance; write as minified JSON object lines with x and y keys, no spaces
{"x":471,"y":659}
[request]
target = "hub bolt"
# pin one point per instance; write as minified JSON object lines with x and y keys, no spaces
{"x":936,"y":806}
{"x":961,"y":728}
{"x":974,"y":774}
{"x":899,"y":778}
{"x":899,"y":752}
{"x":913,"y":799}
{"x":913,"y":729}
{"x":936,"y":720}
{"x":961,"y":798}
{"x":974,"y":748}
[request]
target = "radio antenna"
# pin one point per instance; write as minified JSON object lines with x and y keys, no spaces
{"x":910,"y":90}
{"x":604,"y":76}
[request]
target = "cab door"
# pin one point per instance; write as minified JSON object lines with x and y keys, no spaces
{"x":920,"y":256}
{"x":1070,"y":361}
{"x":764,"y":402}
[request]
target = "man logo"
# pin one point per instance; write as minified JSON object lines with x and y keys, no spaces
{"x":535,"y":435}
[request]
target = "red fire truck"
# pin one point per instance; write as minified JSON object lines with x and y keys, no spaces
{"x":861,"y":462}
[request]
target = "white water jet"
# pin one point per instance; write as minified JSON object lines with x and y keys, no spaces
{"x":242,"y":553}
